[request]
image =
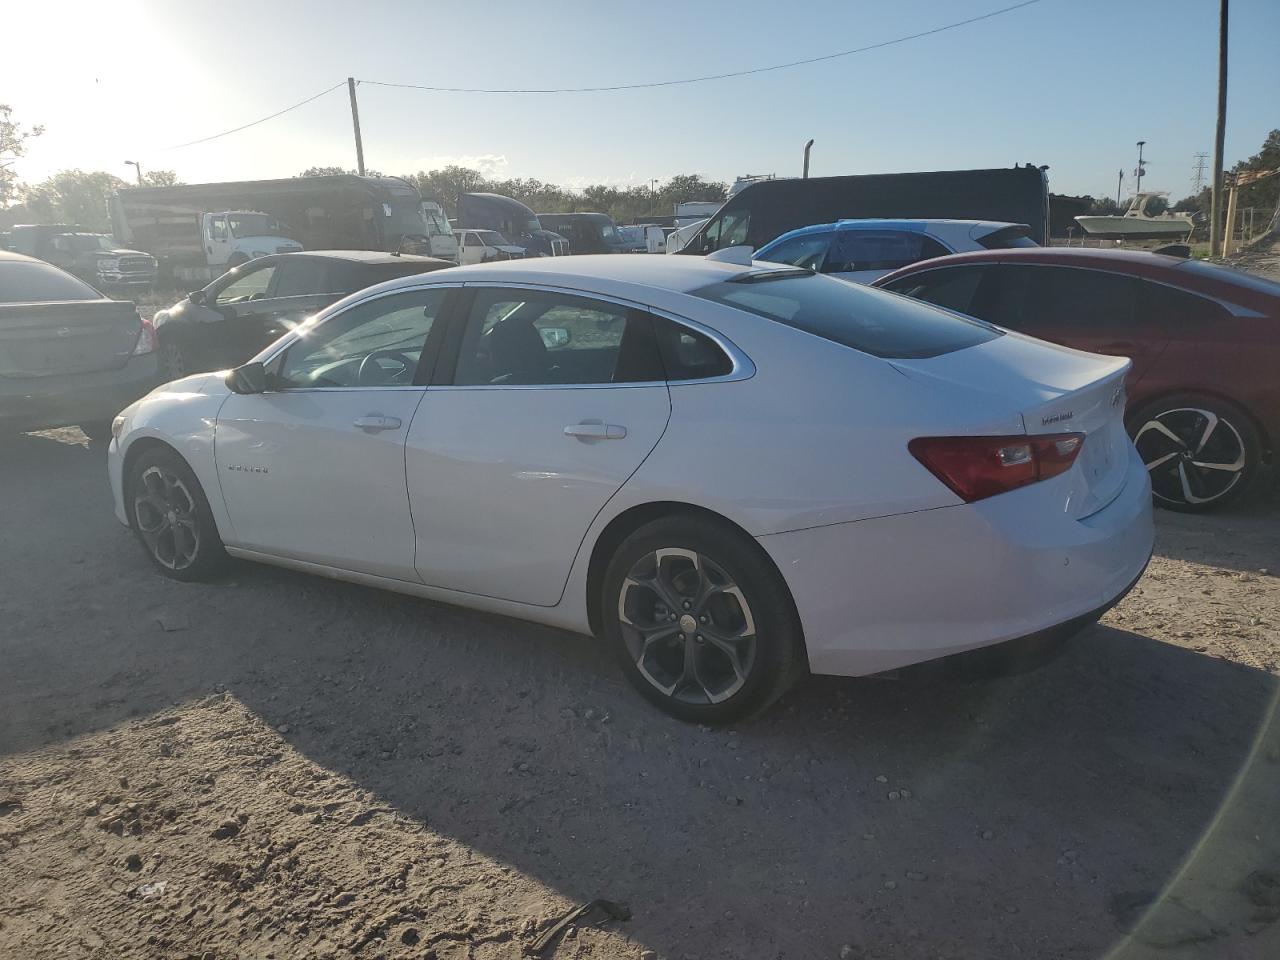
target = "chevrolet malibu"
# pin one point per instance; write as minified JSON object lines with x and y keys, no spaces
{"x":731,"y":472}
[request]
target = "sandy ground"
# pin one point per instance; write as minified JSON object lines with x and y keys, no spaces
{"x":275,"y":765}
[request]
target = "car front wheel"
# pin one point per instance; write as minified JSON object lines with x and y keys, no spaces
{"x":1201,"y":452}
{"x":169,"y":513}
{"x":700,"y":620}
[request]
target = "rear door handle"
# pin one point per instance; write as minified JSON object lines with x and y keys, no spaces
{"x":376,"y":423}
{"x":595,"y":431}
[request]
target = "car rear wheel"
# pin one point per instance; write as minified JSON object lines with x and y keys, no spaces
{"x":701,"y":622}
{"x":169,"y":513}
{"x":1201,"y":452}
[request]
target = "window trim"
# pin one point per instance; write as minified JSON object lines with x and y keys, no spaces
{"x":446,"y":365}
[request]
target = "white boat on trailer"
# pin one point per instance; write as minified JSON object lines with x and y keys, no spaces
{"x":1136,"y":224}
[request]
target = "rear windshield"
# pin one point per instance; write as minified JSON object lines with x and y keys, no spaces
{"x":1015,"y":235}
{"x":24,"y":282}
{"x":878,"y":323}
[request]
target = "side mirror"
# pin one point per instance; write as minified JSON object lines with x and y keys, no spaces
{"x":553,"y":337}
{"x":247,"y":378}
{"x":196,"y":296}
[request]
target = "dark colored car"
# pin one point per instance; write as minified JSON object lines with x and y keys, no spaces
{"x":1203,"y":393}
{"x":235,"y":316}
{"x":97,"y":259}
{"x":68,"y":355}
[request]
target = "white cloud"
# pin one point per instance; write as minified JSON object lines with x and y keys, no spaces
{"x":490,"y":164}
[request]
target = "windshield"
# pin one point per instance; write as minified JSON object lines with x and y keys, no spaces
{"x":492,"y":237}
{"x":437,"y":225}
{"x":253,"y":225}
{"x":883,"y":325}
{"x":610,"y":232}
{"x":404,"y":218}
{"x":83,"y":243}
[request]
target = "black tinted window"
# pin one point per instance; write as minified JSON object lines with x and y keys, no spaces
{"x":859,"y":317}
{"x":301,"y":277}
{"x":950,"y":287}
{"x":1014,"y":235}
{"x":1036,"y":299}
{"x":808,"y":250}
{"x":688,"y":354}
{"x":855,"y":250}
{"x":1178,"y":310}
{"x":521,"y":337}
{"x":24,"y":282}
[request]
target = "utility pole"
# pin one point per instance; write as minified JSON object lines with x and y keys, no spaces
{"x":1119,"y":184}
{"x":355,"y":122}
{"x":1219,"y":137}
{"x":1139,"y":172}
{"x":807,"y":147}
{"x":137,"y":168}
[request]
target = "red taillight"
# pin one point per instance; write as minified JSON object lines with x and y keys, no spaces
{"x":146,"y":339}
{"x":979,"y":467}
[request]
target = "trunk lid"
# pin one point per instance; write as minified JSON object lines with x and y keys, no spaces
{"x":1053,"y":389}
{"x":66,"y":337}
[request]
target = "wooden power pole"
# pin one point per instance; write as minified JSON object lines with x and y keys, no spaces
{"x":355,"y":122}
{"x":1219,"y":137}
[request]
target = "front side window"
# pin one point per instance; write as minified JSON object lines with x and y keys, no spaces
{"x":808,"y":250}
{"x":865,"y":319}
{"x":247,"y":284}
{"x":376,"y":343}
{"x":857,"y":250}
{"x":950,"y":287}
{"x":253,"y":225}
{"x":524,"y":337}
{"x":218,"y":228}
{"x":300,"y":277}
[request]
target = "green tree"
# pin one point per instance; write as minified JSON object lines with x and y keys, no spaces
{"x":335,"y":172}
{"x":75,"y":197}
{"x":13,"y":144}
{"x":160,"y":178}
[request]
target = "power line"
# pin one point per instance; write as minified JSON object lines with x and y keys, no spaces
{"x":254,"y":123}
{"x":714,"y":76}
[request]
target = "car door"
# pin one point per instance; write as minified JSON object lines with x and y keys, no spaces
{"x":241,"y":297}
{"x":554,"y":400}
{"x":1087,"y":309}
{"x":302,"y":287}
{"x":313,"y":468}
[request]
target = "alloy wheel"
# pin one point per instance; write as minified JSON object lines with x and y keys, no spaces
{"x":175,"y":364}
{"x":687,"y":625}
{"x":165,"y":512}
{"x":1194,"y":456}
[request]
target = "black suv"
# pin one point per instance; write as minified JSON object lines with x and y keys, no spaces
{"x":245,"y":309}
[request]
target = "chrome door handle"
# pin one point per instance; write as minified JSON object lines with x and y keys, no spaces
{"x":595,"y":431}
{"x":376,"y":423}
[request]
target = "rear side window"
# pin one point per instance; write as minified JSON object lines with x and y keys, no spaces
{"x":688,"y":354}
{"x":858,"y":317}
{"x":806,"y":251}
{"x":1049,"y":301}
{"x":300,"y":277}
{"x":1178,"y":310}
{"x":857,"y":250}
{"x":1014,"y":235}
{"x":24,"y":282}
{"x":950,"y":287}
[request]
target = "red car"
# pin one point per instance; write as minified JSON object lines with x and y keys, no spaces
{"x":1204,"y":391}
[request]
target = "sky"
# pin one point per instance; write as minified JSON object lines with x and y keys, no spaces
{"x":1068,"y":83}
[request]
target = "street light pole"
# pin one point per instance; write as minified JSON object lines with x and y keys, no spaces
{"x":1138,"y":173}
{"x":355,"y":122}
{"x":1119,"y":184}
{"x":137,"y":168}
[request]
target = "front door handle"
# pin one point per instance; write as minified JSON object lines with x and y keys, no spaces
{"x":374,"y":424}
{"x":595,"y":431}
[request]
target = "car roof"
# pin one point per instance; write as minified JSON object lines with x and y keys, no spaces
{"x":881,"y":223}
{"x":680,"y":274}
{"x":18,"y":257}
{"x":1123,"y":261}
{"x":364,"y":256}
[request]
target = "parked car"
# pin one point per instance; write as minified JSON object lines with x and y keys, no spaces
{"x":245,"y":309}
{"x":99,"y":260}
{"x":1203,"y":395}
{"x":68,"y":355}
{"x":730,"y":472}
{"x":862,"y":250}
{"x":485,"y":246}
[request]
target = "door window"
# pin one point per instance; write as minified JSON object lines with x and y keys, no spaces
{"x":806,"y":251}
{"x":950,"y":287}
{"x":1061,"y":301}
{"x":1178,"y":311}
{"x":218,"y":228}
{"x":246,"y":284}
{"x":522,"y":337}
{"x":375,"y":343}
{"x":856,"y":250}
{"x":300,"y":277}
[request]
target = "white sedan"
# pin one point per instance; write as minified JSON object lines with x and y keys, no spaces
{"x":730,"y":472}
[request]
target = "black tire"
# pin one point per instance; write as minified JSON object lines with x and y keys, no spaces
{"x":1202,"y":452}
{"x":768,"y":656}
{"x":170,"y":515}
{"x":98,"y":431}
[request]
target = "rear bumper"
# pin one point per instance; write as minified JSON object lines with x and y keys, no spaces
{"x":48,"y":402}
{"x":880,"y":594}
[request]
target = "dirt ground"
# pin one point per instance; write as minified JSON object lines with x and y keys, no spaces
{"x":279,"y":766}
